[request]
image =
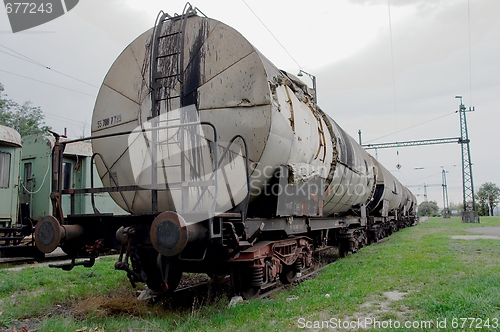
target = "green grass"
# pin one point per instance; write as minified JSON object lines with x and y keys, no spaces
{"x":443,"y":278}
{"x":35,"y":291}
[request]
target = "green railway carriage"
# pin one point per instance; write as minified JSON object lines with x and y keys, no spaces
{"x":36,"y":168}
{"x":10,"y":157}
{"x":13,"y":228}
{"x":25,"y":188}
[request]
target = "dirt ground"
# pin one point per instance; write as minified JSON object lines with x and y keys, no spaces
{"x":486,"y":230}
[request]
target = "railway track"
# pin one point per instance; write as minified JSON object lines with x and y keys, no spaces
{"x":198,"y":290}
{"x":55,"y":257}
{"x":18,"y":261}
{"x":299,"y":280}
{"x":305,"y":275}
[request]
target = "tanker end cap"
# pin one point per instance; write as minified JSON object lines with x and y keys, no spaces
{"x":47,"y":234}
{"x":170,"y":234}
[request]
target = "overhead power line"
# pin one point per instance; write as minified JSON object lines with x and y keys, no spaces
{"x":62,"y":118}
{"x":392,"y":63}
{"x":55,"y":85}
{"x":291,"y":57}
{"x":412,"y":143}
{"x":470,"y":52}
{"x":411,"y":127}
{"x":272,"y":34}
{"x":37,"y":63}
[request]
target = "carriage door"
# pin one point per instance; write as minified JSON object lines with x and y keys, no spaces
{"x":6,"y":192}
{"x":28,"y":184}
{"x":72,"y":179}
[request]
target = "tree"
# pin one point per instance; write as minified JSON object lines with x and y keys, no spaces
{"x":25,"y":118}
{"x":458,"y":207}
{"x":487,"y":198}
{"x":5,"y":106}
{"x":428,"y":209}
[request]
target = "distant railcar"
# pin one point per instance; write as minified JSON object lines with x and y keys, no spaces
{"x":36,"y":179}
{"x":10,"y":158}
{"x":26,"y":185}
{"x":12,"y":229}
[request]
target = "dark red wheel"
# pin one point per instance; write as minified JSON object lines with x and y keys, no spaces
{"x":288,"y":275}
{"x":161,"y":275}
{"x":343,"y":248}
{"x":243,"y":283}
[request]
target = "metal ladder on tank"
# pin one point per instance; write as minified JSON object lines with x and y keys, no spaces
{"x":227,"y":222}
{"x":162,"y":83}
{"x":166,"y":71}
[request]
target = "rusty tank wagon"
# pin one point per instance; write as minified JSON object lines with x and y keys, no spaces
{"x":225,"y":165}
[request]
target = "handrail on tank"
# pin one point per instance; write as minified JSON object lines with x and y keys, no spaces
{"x":247,"y":198}
{"x":142,"y":130}
{"x":219,"y":162}
{"x":112,"y":178}
{"x":215,"y":153}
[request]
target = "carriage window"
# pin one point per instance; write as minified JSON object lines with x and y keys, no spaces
{"x":28,"y":173}
{"x":4,"y":169}
{"x":67,"y":168}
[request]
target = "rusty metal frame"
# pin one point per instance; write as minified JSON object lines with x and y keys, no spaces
{"x":92,"y":198}
{"x":57,"y":159}
{"x":247,"y":173}
{"x":120,"y":189}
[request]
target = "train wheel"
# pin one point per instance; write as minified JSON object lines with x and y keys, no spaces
{"x":243,"y":283}
{"x":170,"y":275}
{"x":288,"y":275}
{"x":217,"y":278}
{"x":157,"y":267}
{"x":343,"y":248}
{"x":362,"y":239}
{"x":147,"y":260}
{"x":371,"y":237}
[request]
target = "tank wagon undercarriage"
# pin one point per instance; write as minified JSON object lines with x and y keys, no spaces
{"x":226,"y":165}
{"x":156,"y":248}
{"x":254,"y":252}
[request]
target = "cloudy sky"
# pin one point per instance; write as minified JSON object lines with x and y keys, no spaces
{"x":390,"y":68}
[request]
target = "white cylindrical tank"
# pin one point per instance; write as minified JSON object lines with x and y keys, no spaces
{"x":207,"y":66}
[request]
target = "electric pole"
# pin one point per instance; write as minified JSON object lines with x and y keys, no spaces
{"x":469,"y":213}
{"x":446,"y":206}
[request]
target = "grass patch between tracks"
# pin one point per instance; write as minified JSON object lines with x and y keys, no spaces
{"x":417,"y":274}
